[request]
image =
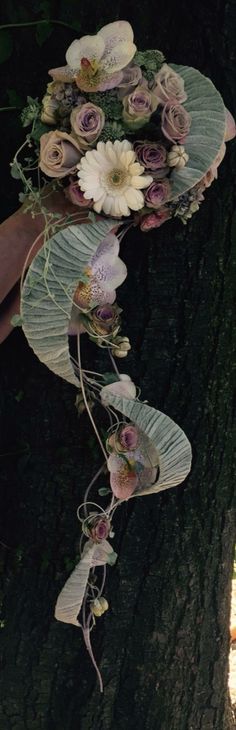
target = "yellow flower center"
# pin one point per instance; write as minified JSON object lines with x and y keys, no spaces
{"x":90,"y":75}
{"x":114,"y":180}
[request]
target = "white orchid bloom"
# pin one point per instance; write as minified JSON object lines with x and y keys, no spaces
{"x":96,"y":62}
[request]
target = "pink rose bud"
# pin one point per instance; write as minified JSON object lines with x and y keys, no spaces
{"x":75,"y":195}
{"x":155,"y":220}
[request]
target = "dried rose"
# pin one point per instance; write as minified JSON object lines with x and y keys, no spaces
{"x":104,"y":320}
{"x":97,"y":527}
{"x":157,"y":194}
{"x":50,"y":107}
{"x":152,"y":155}
{"x":87,"y":123}
{"x":75,"y":195}
{"x":169,"y":87}
{"x":128,"y":437}
{"x":175,"y":122}
{"x":155,"y":220}
{"x":125,"y":439}
{"x":59,"y":154}
{"x":138,"y":107}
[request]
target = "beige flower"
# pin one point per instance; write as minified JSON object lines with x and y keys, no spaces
{"x":175,"y":122}
{"x":112,"y":177}
{"x":169,"y":87}
{"x":59,"y":154}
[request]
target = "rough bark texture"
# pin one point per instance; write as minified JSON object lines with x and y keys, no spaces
{"x":163,"y":646}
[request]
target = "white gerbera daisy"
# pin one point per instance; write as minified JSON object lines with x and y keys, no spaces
{"x":112,"y":177}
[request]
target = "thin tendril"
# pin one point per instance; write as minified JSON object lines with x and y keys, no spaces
{"x":114,"y":364}
{"x":85,"y":399}
{"x":90,"y":487}
{"x":86,"y":633}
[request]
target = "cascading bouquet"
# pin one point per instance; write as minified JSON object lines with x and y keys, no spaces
{"x":131,"y":140}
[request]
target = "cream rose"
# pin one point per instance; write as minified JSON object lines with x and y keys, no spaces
{"x":59,"y":154}
{"x":175,"y":122}
{"x":169,"y":87}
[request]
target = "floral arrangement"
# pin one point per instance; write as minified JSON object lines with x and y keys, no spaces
{"x":131,"y":140}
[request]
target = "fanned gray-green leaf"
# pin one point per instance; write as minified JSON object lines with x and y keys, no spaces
{"x":173,"y":447}
{"x":71,"y":597}
{"x":48,"y":292}
{"x":206,"y":107}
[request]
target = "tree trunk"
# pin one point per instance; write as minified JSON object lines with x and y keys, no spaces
{"x":163,"y":646}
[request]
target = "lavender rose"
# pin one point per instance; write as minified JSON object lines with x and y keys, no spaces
{"x":87,"y":123}
{"x":157,"y":193}
{"x":152,"y":155}
{"x":155,"y":220}
{"x":75,"y":195}
{"x":138,"y":107}
{"x":169,"y":87}
{"x":175,"y":122}
{"x":59,"y":154}
{"x":131,"y":76}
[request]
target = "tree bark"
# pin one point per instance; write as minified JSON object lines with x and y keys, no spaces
{"x":163,"y":646}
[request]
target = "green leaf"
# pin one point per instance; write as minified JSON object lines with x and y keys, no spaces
{"x":43,"y":32}
{"x":46,"y":304}
{"x":19,"y":396}
{"x":164,"y":436}
{"x":206,"y":108}
{"x":103,"y":491}
{"x":6,"y":45}
{"x":15,"y":171}
{"x":39,"y":129}
{"x":110,"y":378}
{"x":16,"y":320}
{"x":112,"y":558}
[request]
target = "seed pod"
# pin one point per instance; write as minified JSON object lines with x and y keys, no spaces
{"x":122,"y":346}
{"x":177,"y":157}
{"x":99,"y":606}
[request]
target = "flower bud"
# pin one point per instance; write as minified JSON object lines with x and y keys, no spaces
{"x":177,"y":157}
{"x":99,"y":606}
{"x":122,"y":346}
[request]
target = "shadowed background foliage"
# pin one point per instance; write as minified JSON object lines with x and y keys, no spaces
{"x":163,"y":646}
